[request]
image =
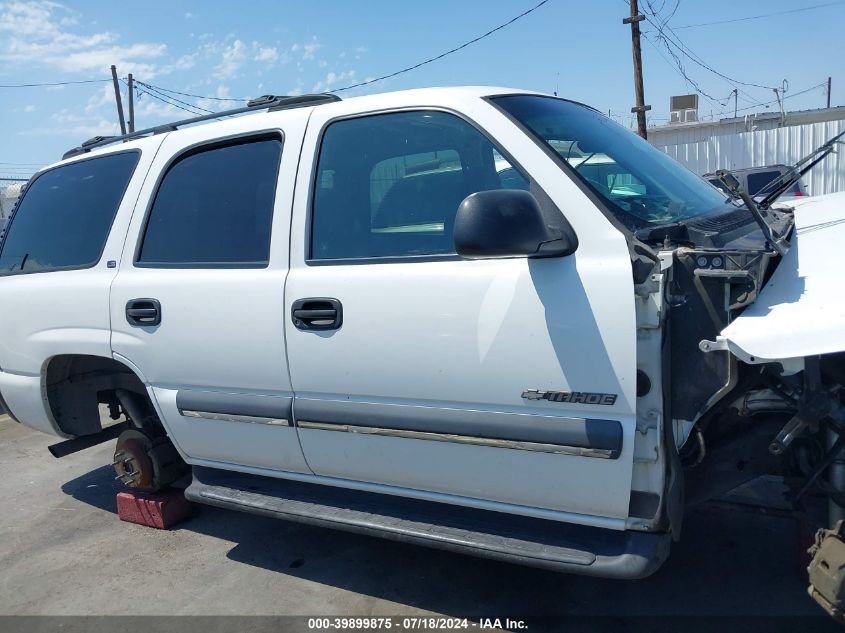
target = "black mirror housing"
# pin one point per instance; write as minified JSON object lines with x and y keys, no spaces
{"x":509,"y":223}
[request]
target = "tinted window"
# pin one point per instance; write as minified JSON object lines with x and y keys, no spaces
{"x":66,"y":214}
{"x":214,"y":207}
{"x":719,"y":185}
{"x":641,"y":184}
{"x":389,"y":185}
{"x":759,"y":179}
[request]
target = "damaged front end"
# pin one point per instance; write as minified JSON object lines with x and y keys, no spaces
{"x":758,"y":373}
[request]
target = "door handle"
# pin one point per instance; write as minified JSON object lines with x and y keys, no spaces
{"x":317,"y":313}
{"x":141,"y":312}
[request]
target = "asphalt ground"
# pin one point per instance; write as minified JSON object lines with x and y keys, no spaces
{"x":64,"y":552}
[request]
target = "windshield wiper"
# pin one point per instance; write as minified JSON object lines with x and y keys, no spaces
{"x":794,"y":174}
{"x":732,"y":183}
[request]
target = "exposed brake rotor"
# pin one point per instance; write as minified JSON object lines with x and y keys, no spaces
{"x":144,"y":463}
{"x":131,"y":460}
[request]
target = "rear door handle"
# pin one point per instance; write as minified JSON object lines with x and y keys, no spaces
{"x":317,"y":313}
{"x":142,"y":312}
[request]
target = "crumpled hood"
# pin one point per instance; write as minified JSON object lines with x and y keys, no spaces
{"x":801,"y":311}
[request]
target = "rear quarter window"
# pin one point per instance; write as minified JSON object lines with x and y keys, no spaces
{"x":757,"y":181}
{"x":65,"y":215}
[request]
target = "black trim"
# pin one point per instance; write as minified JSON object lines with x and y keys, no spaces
{"x":255,"y":405}
{"x":503,"y":536}
{"x":273,"y":103}
{"x":197,"y":148}
{"x":28,"y":187}
{"x":406,"y":259}
{"x":586,"y":433}
{"x":545,"y":201}
{"x":204,"y":265}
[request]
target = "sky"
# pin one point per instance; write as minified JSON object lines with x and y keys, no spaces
{"x":579,"y":48}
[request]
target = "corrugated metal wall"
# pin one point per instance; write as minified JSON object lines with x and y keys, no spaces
{"x":784,"y":145}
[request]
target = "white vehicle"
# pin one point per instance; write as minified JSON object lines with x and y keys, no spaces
{"x":476,"y":318}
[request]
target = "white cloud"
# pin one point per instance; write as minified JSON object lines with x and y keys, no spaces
{"x":232,"y":58}
{"x":309,"y":50}
{"x":266,"y":54}
{"x":79,"y":127}
{"x":125,"y":57}
{"x":101,"y":127}
{"x":347,"y":76}
{"x":185,"y":62}
{"x":36,"y":33}
{"x":222,"y":92}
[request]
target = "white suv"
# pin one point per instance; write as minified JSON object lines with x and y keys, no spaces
{"x":478,"y":318}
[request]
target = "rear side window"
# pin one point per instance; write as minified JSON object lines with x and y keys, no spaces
{"x":65,"y":215}
{"x":389,"y":185}
{"x":758,"y":180}
{"x":214,"y":207}
{"x":719,"y":185}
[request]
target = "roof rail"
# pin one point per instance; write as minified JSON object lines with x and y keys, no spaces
{"x":269,"y":102}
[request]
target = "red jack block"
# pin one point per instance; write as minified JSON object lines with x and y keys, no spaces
{"x":161,"y":510}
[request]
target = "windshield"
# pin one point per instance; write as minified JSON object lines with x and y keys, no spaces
{"x":642,"y":185}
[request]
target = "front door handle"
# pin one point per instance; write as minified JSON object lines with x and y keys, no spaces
{"x":317,"y":313}
{"x":141,"y":312}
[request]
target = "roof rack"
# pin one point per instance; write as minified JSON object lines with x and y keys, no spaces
{"x":269,"y":102}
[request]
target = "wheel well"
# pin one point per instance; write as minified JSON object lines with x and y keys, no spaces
{"x":76,"y":386}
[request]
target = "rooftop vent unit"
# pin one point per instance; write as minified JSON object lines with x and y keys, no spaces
{"x":683,"y":109}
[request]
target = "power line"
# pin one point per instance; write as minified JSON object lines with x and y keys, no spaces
{"x":676,"y":41}
{"x":170,"y":103}
{"x":188,"y":94}
{"x":794,"y":94}
{"x":160,"y":89}
{"x":54,"y":83}
{"x":383,"y":77}
{"x":174,"y":99}
{"x":758,"y":17}
{"x":442,"y":55}
{"x":678,"y":67}
{"x":762,"y":103}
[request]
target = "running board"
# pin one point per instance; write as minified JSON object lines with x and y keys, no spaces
{"x":518,"y":539}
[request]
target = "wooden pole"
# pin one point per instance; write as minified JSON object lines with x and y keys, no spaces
{"x":641,"y":108}
{"x":131,"y":97}
{"x":118,"y":100}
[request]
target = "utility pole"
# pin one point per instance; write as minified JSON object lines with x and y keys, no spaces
{"x":640,"y":109}
{"x":828,"y":92}
{"x":735,"y":93}
{"x":131,"y":96}
{"x":118,"y":100}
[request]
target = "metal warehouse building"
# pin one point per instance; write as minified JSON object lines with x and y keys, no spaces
{"x":756,"y":140}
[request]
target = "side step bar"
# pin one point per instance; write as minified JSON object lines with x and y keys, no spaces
{"x":518,"y":539}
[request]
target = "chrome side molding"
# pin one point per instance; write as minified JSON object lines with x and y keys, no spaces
{"x":460,"y":439}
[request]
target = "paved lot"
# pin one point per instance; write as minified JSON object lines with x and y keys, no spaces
{"x":63,"y":551}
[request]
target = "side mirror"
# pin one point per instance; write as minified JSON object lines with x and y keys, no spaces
{"x":508,"y":223}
